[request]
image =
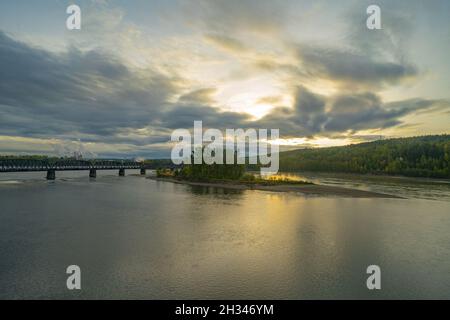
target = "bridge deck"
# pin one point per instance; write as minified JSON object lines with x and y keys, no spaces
{"x":19,"y":165}
{"x":63,"y":169}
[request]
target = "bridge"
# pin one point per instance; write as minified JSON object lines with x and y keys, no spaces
{"x":53,"y":165}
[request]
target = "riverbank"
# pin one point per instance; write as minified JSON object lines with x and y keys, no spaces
{"x":368,"y":177}
{"x":306,"y":189}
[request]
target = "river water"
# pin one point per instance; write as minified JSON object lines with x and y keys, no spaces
{"x":138,"y":238}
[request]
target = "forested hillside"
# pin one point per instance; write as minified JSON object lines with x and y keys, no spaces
{"x":426,"y":156}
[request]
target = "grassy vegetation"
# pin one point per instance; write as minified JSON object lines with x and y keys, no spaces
{"x":249,"y":178}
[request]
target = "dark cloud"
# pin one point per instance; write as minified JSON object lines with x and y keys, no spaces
{"x":361,"y":111}
{"x":305,"y":118}
{"x":185,"y":115}
{"x":201,"y":96}
{"x":80,"y":92}
{"x":352,"y":67}
{"x":318,"y":115}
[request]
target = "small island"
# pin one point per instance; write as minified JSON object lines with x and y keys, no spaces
{"x":234,"y":176}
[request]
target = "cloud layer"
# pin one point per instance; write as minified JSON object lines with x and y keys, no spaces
{"x":93,"y":96}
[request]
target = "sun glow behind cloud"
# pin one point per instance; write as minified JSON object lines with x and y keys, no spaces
{"x":248,"y":96}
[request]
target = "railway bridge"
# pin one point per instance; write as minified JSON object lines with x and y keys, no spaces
{"x":53,"y":165}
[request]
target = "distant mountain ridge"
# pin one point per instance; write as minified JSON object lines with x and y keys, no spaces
{"x":423,"y":156}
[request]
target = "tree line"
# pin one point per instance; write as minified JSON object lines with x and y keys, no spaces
{"x":425,"y":156}
{"x":206,"y":172}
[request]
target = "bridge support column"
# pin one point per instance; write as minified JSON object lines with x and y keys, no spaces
{"x":51,"y":174}
{"x":93,"y":173}
{"x":143,"y":171}
{"x":122,"y":172}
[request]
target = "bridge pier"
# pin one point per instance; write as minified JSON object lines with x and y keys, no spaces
{"x":143,"y":171}
{"x":121,"y":172}
{"x":51,"y":174}
{"x":92,"y":173}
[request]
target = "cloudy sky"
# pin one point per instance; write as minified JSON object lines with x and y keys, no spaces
{"x":137,"y":70}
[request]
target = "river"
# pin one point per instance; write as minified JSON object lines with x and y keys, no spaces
{"x":136,"y":238}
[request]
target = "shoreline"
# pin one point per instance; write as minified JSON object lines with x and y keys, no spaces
{"x":305,"y":189}
{"x":365,"y":176}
